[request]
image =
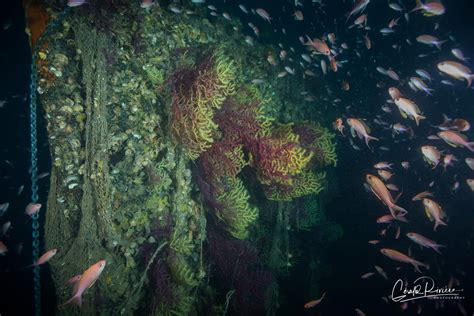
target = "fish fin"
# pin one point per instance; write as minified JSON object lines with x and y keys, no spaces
{"x":367,"y":128}
{"x":470,"y":146}
{"x":437,"y":223}
{"x":419,"y":6}
{"x":428,"y":214}
{"x":438,"y":44}
{"x":404,"y":115}
{"x":353,"y":133}
{"x":436,"y":247}
{"x":446,"y":119}
{"x":369,"y":138}
{"x":395,"y":208}
{"x":469,"y":80}
{"x":418,"y":118}
{"x":397,"y":197}
{"x":76,"y":299}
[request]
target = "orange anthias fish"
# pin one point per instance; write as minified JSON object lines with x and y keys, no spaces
{"x":456,"y":139}
{"x":457,"y":71}
{"x":398,"y":256}
{"x":339,"y":125}
{"x":434,"y":212}
{"x":44,"y":258}
{"x":430,"y":9}
{"x":319,"y":46}
{"x":425,"y":242}
{"x":383,"y":194}
{"x":361,"y":129}
{"x":313,"y":303}
{"x":87,"y":280}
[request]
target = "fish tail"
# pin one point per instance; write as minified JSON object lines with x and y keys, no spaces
{"x":76,"y":299}
{"x":369,"y":138}
{"x":436,"y":247}
{"x":418,"y":264}
{"x":470,"y":146}
{"x":469,"y":80}
{"x":439,"y":222}
{"x":394,"y":209}
{"x":419,"y":6}
{"x":439,"y":43}
{"x":418,"y":118}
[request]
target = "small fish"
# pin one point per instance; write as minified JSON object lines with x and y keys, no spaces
{"x":6,"y":227}
{"x":470,"y":162}
{"x":318,"y":45}
{"x":176,"y":10}
{"x":448,"y":160}
{"x":147,"y":4}
{"x":430,"y":40}
{"x":385,"y":219}
{"x":359,"y":128}
{"x":384,"y":174}
{"x":422,"y":195}
{"x":410,"y":109}
{"x":420,"y":85}
{"x":434,"y":212}
{"x":424,"y":74}
{"x":405,"y":165}
{"x":398,"y":256}
{"x":359,"y":312}
{"x":76,"y":3}
{"x":358,"y":7}
{"x":291,"y":71}
{"x":313,"y":303}
{"x":381,"y":192}
{"x":394,"y":93}
{"x":374,"y":242}
{"x":87,"y":280}
{"x":298,"y":15}
{"x":459,"y":54}
{"x":458,"y":125}
{"x":387,"y":30}
{"x":424,"y":242}
{"x":431,"y":155}
{"x":456,"y":139}
{"x":381,"y":272}
{"x":392,"y":187}
{"x":263,"y":14}
{"x":243,"y":8}
{"x":367,"y":275}
{"x":324,"y":66}
{"x":457,"y":71}
{"x":226,"y":16}
{"x":470,"y":183}
{"x":32,"y":208}
{"x":383,"y":165}
{"x":4,"y":208}
{"x":395,"y":6}
{"x":44,"y":258}
{"x":429,"y":9}
{"x":339,"y":125}
{"x":392,"y":74}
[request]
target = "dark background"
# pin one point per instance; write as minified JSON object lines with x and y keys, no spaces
{"x":353,"y":208}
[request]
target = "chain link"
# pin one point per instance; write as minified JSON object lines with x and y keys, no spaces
{"x":34,"y":160}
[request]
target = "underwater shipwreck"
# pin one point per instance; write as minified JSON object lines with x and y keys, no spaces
{"x":180,"y":157}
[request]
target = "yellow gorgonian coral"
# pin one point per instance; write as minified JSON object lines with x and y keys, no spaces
{"x":196,"y":93}
{"x":236,"y":211}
